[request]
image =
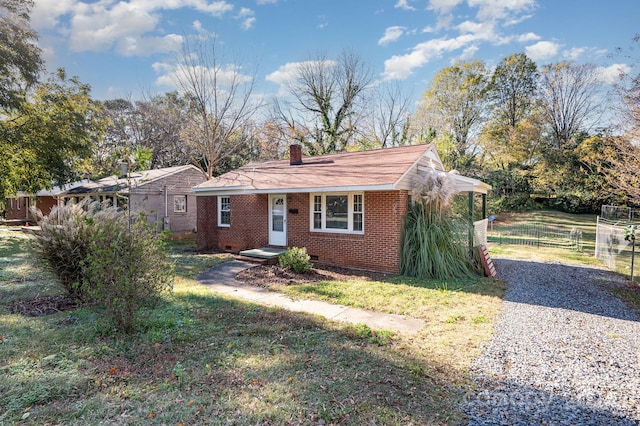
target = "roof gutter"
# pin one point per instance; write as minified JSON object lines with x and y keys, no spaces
{"x":245,"y":190}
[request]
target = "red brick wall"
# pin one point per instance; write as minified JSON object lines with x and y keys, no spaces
{"x":378,"y":249}
{"x":45,"y":204}
{"x":249,"y":223}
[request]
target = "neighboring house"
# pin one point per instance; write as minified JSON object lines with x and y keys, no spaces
{"x":347,"y":209}
{"x":163,"y":194}
{"x":19,"y":207}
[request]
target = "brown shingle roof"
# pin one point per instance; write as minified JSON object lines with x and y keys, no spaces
{"x":364,"y":170}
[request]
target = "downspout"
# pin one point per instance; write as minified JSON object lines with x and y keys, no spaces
{"x":484,"y":206}
{"x":471,"y":229}
{"x":166,"y":202}
{"x":166,"y":209}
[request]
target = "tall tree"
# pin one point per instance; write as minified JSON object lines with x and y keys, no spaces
{"x":455,"y":102}
{"x":159,"y":122}
{"x":20,"y":61}
{"x":118,"y":141}
{"x":612,"y":163}
{"x":390,"y":118}
{"x":221,"y":107}
{"x":512,"y":89}
{"x":568,"y":95}
{"x":49,"y":140}
{"x":326,"y":102}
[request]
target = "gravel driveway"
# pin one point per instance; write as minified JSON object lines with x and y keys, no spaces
{"x":565,"y":351}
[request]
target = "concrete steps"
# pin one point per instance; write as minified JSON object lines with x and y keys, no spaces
{"x":262,"y":256}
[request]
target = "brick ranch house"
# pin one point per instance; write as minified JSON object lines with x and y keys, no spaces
{"x":163,"y":194}
{"x":19,"y":208}
{"x":347,"y":209}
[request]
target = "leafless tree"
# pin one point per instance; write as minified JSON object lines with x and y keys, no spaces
{"x":324,"y":102}
{"x":390,"y":118}
{"x":221,"y":106}
{"x":569,"y":99}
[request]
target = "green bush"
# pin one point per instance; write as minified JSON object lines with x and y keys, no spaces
{"x":116,"y":263}
{"x":297,"y":259}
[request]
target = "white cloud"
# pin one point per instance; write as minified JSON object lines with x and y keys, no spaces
{"x":46,"y":13}
{"x":491,"y":17}
{"x":262,"y":2}
{"x":400,"y":67}
{"x":611,"y":74}
{"x":542,"y":50}
{"x":145,"y":46}
{"x":225,"y":76}
{"x":469,"y":53}
{"x":574,"y":53}
{"x":443,"y":6}
{"x":525,"y":38}
{"x":287,"y":73}
{"x":95,"y":28}
{"x":248,"y":23}
{"x":501,"y":9}
{"x":404,"y":4}
{"x":481,"y":30}
{"x":244,"y":12}
{"x":129,"y":26}
{"x":248,"y":17}
{"x":391,"y":34}
{"x":284,"y":73}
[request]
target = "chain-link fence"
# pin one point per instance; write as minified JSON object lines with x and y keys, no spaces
{"x":611,"y":247}
{"x":617,"y":213}
{"x":537,"y":234}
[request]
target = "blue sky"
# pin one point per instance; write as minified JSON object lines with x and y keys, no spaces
{"x":124,"y":47}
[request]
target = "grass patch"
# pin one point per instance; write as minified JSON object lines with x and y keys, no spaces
{"x":630,"y":294}
{"x":586,"y":223}
{"x":506,"y":222}
{"x":200,"y":358}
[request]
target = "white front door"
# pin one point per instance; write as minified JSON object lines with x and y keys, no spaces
{"x":278,"y":220}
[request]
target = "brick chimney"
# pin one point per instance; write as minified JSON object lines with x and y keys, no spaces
{"x":295,"y":155}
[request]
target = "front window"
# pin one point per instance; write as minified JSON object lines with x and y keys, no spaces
{"x":342,"y":213}
{"x":180,"y":204}
{"x":224,"y":211}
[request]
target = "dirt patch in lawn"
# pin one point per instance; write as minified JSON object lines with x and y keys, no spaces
{"x":42,"y":305}
{"x":266,"y":276}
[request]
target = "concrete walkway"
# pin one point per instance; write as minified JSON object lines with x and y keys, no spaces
{"x":221,"y":279}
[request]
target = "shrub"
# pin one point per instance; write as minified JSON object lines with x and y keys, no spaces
{"x":297,"y":259}
{"x":63,"y":243}
{"x":126,"y":267}
{"x":118,"y":264}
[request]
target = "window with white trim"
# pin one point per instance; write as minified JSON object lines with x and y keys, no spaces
{"x":224,"y":211}
{"x":179,"y":203}
{"x":337,"y":212}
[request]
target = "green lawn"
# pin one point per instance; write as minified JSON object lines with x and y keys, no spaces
{"x":205,"y":359}
{"x":200,"y":358}
{"x":507,"y":222}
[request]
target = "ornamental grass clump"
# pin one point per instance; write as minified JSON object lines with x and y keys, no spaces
{"x":63,"y":243}
{"x":103,"y":257}
{"x":433,"y":243}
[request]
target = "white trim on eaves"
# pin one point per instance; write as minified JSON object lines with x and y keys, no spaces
{"x":202,"y":192}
